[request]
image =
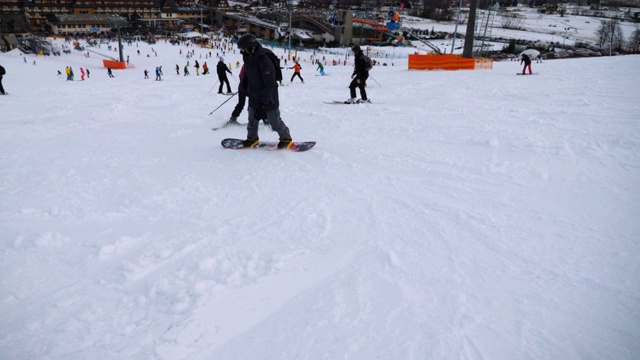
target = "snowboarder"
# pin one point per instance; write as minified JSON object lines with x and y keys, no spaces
{"x":205,"y":69}
{"x":359,"y":77}
{"x":296,"y":71}
{"x":262,"y":88}
{"x":2,"y":72}
{"x":222,"y":71}
{"x":527,"y":63}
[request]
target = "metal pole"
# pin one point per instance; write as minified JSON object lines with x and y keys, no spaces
{"x":455,"y":31}
{"x":290,"y":33}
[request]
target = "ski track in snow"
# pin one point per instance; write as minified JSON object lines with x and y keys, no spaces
{"x":461,"y":215}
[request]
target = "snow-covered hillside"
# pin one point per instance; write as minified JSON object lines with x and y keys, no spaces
{"x":461,"y":215}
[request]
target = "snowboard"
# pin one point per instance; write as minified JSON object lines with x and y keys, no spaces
{"x":236,"y":144}
{"x":336,"y":102}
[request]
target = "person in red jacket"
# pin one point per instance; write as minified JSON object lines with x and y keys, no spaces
{"x":296,"y":71}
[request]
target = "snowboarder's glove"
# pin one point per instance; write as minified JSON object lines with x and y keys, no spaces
{"x":260,"y":113}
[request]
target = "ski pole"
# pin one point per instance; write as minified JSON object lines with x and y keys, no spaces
{"x":214,"y":110}
{"x":374,"y":80}
{"x":214,"y":85}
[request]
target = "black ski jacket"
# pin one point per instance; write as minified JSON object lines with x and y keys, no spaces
{"x":260,"y":80}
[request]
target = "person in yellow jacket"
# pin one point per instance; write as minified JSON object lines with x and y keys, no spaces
{"x":296,"y":71}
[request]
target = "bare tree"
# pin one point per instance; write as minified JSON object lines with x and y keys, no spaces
{"x":633,"y":46}
{"x":610,"y":35}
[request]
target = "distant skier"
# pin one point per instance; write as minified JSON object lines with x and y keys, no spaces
{"x":2,"y":72}
{"x":222,"y":71}
{"x":109,"y":72}
{"x":177,"y":69}
{"x":296,"y":71}
{"x":321,"y":68}
{"x":359,"y":77}
{"x":158,"y":74}
{"x":146,"y":73}
{"x":527,"y":63}
{"x":197,"y":66}
{"x":82,"y":74}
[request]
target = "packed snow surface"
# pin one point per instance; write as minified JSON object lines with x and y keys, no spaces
{"x":461,"y":215}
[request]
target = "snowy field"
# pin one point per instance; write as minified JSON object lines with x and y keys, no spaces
{"x":461,"y":215}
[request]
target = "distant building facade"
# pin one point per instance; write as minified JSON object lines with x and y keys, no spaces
{"x":36,"y":11}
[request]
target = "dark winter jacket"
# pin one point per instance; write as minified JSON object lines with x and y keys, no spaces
{"x":222,"y":69}
{"x":525,"y":59}
{"x":360,"y":69}
{"x":260,"y":80}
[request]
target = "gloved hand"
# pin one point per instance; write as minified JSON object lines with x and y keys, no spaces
{"x":260,"y":113}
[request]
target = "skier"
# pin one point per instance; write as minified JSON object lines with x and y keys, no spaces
{"x":262,"y":88}
{"x":158,"y":77}
{"x":2,"y":72}
{"x":82,"y":74}
{"x":296,"y":71}
{"x":197,"y":66}
{"x":146,"y":73}
{"x":205,"y":69}
{"x":109,"y":72}
{"x":527,"y":63}
{"x":321,"y":68}
{"x":177,"y":69}
{"x":186,"y":69}
{"x":222,"y":71}
{"x":359,"y":77}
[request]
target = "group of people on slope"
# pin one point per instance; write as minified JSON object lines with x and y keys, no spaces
{"x":257,"y":81}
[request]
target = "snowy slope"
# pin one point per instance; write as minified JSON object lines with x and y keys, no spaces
{"x":462,"y":215}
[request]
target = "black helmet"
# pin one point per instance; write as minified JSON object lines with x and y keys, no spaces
{"x":247,"y":42}
{"x":356,"y":49}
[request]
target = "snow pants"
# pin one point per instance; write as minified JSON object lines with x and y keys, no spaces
{"x":223,"y":81}
{"x":354,"y":84}
{"x":276,"y":123}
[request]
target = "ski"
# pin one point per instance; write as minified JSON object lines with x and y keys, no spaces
{"x":234,"y":123}
{"x":526,"y":74}
{"x":336,"y":102}
{"x":236,"y":144}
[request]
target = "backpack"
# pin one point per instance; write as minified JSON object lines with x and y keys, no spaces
{"x":276,"y":63}
{"x":368,"y":64}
